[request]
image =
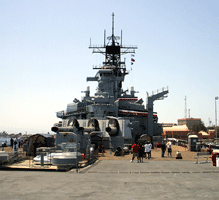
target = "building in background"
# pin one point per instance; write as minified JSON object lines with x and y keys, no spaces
{"x":205,"y":135}
{"x":189,"y":122}
{"x":178,"y":132}
{"x":184,"y":128}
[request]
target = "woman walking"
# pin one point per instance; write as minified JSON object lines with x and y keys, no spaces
{"x":140,"y":153}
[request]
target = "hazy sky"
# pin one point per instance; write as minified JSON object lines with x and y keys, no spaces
{"x":44,"y":56}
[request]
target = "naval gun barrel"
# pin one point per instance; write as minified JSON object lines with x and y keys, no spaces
{"x":111,"y":130}
{"x":88,"y":129}
{"x":62,"y":129}
{"x":93,"y":125}
{"x":73,"y":124}
{"x":113,"y":127}
{"x":71,"y":129}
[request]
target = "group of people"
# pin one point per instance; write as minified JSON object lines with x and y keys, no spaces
{"x":167,"y":146}
{"x":141,"y":151}
{"x":16,"y":143}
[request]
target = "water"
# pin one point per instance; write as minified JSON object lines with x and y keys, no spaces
{"x":5,"y":140}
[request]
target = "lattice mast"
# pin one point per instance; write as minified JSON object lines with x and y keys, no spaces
{"x":113,"y":50}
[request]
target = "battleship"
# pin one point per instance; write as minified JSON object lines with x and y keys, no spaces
{"x":112,"y":117}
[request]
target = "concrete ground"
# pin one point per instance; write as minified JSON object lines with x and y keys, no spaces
{"x":116,"y":179}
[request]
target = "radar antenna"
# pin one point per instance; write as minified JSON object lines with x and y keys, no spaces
{"x":113,"y":50}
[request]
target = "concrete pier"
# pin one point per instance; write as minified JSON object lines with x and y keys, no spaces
{"x":118,"y":179}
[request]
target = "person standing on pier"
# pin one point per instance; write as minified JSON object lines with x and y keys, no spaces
{"x":12,"y":142}
{"x":147,"y":150}
{"x":163,"y":148}
{"x":169,"y":147}
{"x":15,"y":144}
{"x":135,"y":148}
{"x":140,"y":153}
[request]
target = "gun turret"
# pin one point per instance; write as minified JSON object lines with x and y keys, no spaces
{"x":93,"y":125}
{"x":72,"y":125}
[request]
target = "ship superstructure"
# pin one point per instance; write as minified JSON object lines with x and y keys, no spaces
{"x":113,"y":115}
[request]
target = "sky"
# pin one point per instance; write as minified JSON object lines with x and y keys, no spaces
{"x":45,"y":59}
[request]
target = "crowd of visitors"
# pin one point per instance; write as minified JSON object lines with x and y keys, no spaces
{"x":141,"y":151}
{"x":16,"y":143}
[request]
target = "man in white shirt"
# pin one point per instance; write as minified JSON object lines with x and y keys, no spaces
{"x":169,"y":148}
{"x":147,"y":149}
